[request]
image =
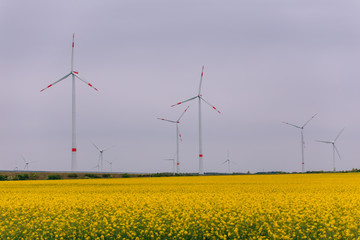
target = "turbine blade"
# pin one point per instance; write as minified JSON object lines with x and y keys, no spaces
{"x":169,"y":159}
{"x":308,"y":121}
{"x":55,"y":82}
{"x":210,"y":105}
{"x":323,"y":141}
{"x":109,"y":147}
{"x":339,"y":134}
{"x":95,"y":146}
{"x":337,"y":151}
{"x":202,"y":74}
{"x":184,"y":101}
{"x":167,"y":120}
{"x":89,"y":84}
{"x":224,"y":162}
{"x":180,"y":137}
{"x":183,"y":114}
{"x":72,"y":53}
{"x":291,"y":124}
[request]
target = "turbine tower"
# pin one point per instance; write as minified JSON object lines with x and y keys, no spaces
{"x":200,"y":98}
{"x":74,"y":74}
{"x":334,"y":147}
{"x":177,"y":138}
{"x":302,"y":139}
{"x":101,"y":151}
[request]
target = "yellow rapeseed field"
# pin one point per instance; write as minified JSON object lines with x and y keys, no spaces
{"x":298,"y":206}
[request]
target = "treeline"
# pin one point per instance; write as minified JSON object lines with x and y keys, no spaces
{"x":12,"y":176}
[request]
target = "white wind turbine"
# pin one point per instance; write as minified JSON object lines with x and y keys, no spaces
{"x":74,"y":74}
{"x":110,"y":163}
{"x":302,"y":139}
{"x":334,"y":147}
{"x":26,"y":167}
{"x":101,"y":151}
{"x":173,"y":160}
{"x":228,"y":161}
{"x":177,"y":138}
{"x":199,"y":97}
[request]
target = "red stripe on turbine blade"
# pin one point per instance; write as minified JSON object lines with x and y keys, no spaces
{"x":73,"y":45}
{"x":202,"y":74}
{"x":49,"y":85}
{"x":89,"y":84}
{"x":178,"y":164}
{"x":76,"y":72}
{"x":74,"y":149}
{"x":200,"y":155}
{"x":96,"y":89}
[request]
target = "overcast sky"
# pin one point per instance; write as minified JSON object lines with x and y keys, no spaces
{"x":265,"y":62}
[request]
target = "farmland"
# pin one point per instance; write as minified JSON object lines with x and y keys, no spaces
{"x":296,"y":206}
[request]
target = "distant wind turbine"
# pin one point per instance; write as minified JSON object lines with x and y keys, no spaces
{"x":74,"y":74}
{"x":101,"y":151}
{"x":228,"y":161}
{"x":177,"y":137}
{"x":110,"y":163}
{"x":26,"y":167}
{"x":173,"y":160}
{"x":199,"y":97}
{"x":334,"y":147}
{"x":302,"y":138}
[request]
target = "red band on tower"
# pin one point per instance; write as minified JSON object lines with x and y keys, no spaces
{"x":200,"y":155}
{"x":74,"y":149}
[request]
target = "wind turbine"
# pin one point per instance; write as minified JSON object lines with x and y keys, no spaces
{"x":302,"y":138}
{"x":101,"y":151}
{"x":26,"y":167}
{"x":173,"y":160}
{"x":199,"y":97}
{"x":74,"y":74}
{"x":334,"y":147}
{"x":97,"y":166}
{"x":177,"y":138}
{"x":110,"y":163}
{"x":228,"y":162}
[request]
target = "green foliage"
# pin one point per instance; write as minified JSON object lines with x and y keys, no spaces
{"x":34,"y":176}
{"x":125,"y":175}
{"x":24,"y":176}
{"x":72,"y":175}
{"x":106,"y":175}
{"x":3,"y":177}
{"x":54,"y":177}
{"x":91,"y":175}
